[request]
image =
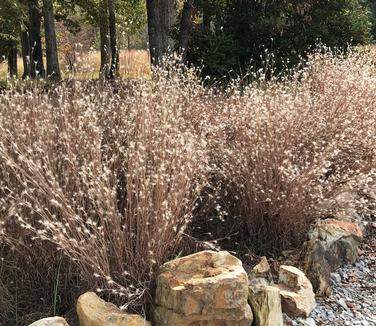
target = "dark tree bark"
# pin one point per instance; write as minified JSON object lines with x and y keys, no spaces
{"x":53,"y":68}
{"x":36,"y":60}
{"x":104,"y":39}
{"x":12,"y":60}
{"x":25,"y":45}
{"x":206,"y":17}
{"x":161,"y":15}
{"x":114,"y":70}
{"x":186,"y":25}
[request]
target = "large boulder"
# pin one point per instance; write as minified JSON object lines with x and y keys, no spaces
{"x":204,"y":289}
{"x":297,"y":296}
{"x":265,"y":301}
{"x":93,"y":311}
{"x":331,"y":243}
{"x":50,"y":321}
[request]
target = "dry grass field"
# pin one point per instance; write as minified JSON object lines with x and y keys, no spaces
{"x":133,"y":64}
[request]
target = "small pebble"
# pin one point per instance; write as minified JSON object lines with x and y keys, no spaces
{"x":310,"y":322}
{"x":336,"y":278}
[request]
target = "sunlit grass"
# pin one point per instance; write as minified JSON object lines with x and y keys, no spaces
{"x":4,"y":69}
{"x":133,"y":64}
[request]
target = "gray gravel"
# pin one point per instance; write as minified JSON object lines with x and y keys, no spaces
{"x":353,"y":300}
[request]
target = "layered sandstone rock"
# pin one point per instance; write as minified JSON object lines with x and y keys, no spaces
{"x":50,"y":321}
{"x":331,"y":243}
{"x":262,"y":269}
{"x":93,"y":311}
{"x":297,"y":296}
{"x":265,"y":301}
{"x":204,"y":289}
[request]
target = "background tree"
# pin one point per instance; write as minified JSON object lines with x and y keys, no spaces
{"x":232,"y":36}
{"x":132,"y":22}
{"x":114,"y":70}
{"x":372,"y":13}
{"x":25,"y":46}
{"x":161,"y":15}
{"x":53,"y":68}
{"x":12,"y":60}
{"x":35,"y":40}
{"x":11,"y":24}
{"x":104,"y":38}
{"x":186,"y":26}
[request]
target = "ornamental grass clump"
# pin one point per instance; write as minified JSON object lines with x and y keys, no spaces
{"x":286,"y":147}
{"x":100,"y":183}
{"x":108,"y":176}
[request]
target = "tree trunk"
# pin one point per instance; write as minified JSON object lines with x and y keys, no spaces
{"x":206,"y":18}
{"x":114,"y":70}
{"x":186,"y":25}
{"x":25,"y":45}
{"x":161,"y":15}
{"x":104,"y":39}
{"x":37,"y":67}
{"x":12,"y":60}
{"x":53,"y":69}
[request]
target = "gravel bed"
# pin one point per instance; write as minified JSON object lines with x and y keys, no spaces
{"x":353,"y":299}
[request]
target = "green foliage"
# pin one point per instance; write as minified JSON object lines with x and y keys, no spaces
{"x":132,"y":19}
{"x":214,"y":51}
{"x":242,"y":30}
{"x":132,"y":14}
{"x":341,"y":21}
{"x":372,"y":12}
{"x":73,"y":13}
{"x":12,"y":13}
